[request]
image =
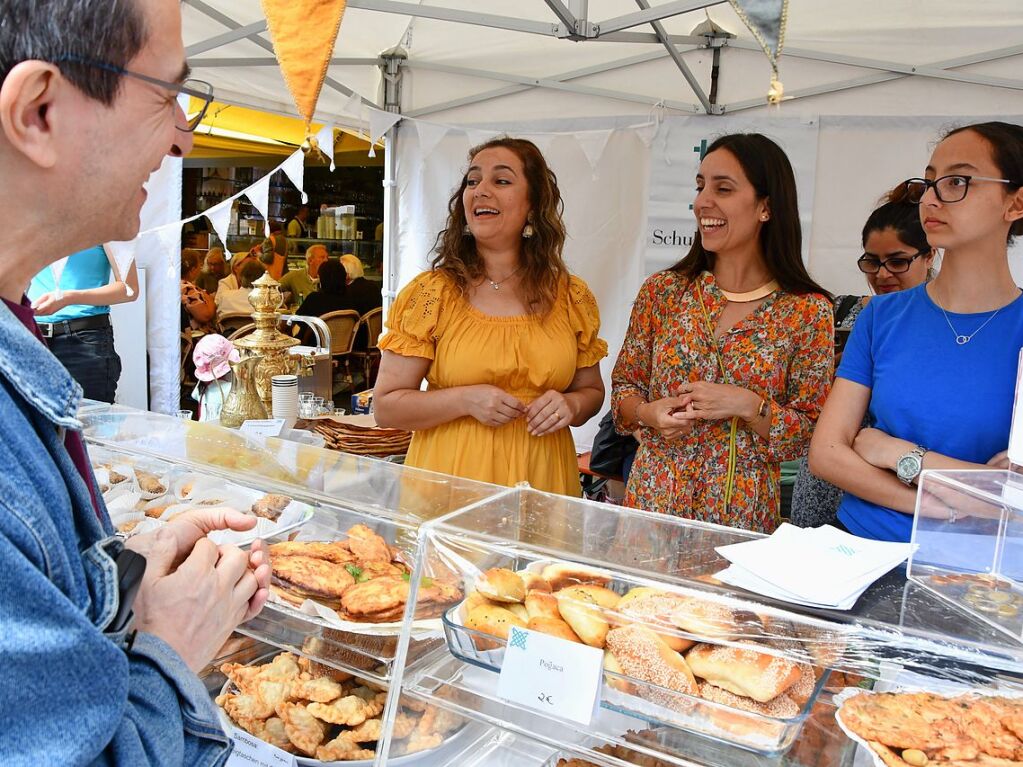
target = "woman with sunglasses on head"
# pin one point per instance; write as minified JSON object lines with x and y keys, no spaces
{"x":728,"y":355}
{"x":934,"y":367}
{"x":896,"y":256}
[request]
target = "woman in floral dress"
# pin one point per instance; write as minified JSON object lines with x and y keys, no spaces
{"x":729,"y":353}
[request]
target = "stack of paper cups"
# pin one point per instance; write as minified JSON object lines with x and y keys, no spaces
{"x":285,"y":399}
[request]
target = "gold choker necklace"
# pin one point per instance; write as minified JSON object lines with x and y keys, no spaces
{"x":753,"y":295}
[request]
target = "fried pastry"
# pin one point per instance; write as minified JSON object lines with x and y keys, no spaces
{"x":273,"y":732}
{"x":148,"y":482}
{"x":379,"y":595}
{"x":306,"y":577}
{"x":331,"y":552}
{"x":343,"y":749}
{"x":418,"y":742}
{"x":904,"y":720}
{"x":318,"y":690}
{"x":245,"y":708}
{"x":367,"y":546}
{"x":270,"y":506}
{"x":350,"y":711}
{"x":367,"y":732}
{"x":303,"y":729}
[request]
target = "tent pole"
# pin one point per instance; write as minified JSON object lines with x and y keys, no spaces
{"x":393,"y":73}
{"x":676,"y":56}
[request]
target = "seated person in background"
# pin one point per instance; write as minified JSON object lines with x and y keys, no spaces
{"x":237,"y":301}
{"x":299,"y":283}
{"x":230,"y":282}
{"x":197,"y":308}
{"x":274,"y":251}
{"x":330,"y":297}
{"x":363,"y":295}
{"x":896,"y":256}
{"x":214,"y":269}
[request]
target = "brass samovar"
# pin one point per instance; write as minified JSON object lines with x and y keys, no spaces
{"x":267,"y":342}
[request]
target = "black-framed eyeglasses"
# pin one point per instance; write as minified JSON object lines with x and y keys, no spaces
{"x":198,"y":89}
{"x":947,"y":188}
{"x":869,"y":264}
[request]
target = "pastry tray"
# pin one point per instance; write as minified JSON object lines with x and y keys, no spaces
{"x":765,"y":735}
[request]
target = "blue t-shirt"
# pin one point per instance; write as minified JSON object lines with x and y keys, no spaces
{"x":84,"y":270}
{"x":925,"y":388}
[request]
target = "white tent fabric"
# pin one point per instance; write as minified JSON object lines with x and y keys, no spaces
{"x":878,"y":80}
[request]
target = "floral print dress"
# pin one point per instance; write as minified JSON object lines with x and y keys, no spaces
{"x":783,"y":351}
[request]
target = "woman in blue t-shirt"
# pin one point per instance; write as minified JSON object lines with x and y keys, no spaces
{"x":933,"y":367}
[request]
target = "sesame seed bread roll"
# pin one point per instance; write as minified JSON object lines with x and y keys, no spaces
{"x":580,"y":611}
{"x":555,"y":627}
{"x":611,"y":664}
{"x":705,"y":618}
{"x":655,"y":611}
{"x":642,"y":655}
{"x":542,"y":604}
{"x":563,"y":574}
{"x":495,"y":621}
{"x":501,"y":585}
{"x":782,"y":707}
{"x":743,"y":671}
{"x":637,"y":593}
{"x":603,"y":597}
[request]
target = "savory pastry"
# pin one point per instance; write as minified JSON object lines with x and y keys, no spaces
{"x":654,"y":610}
{"x":148,"y":482}
{"x":743,"y":671}
{"x":601,"y":596}
{"x":643,"y":655}
{"x":116,"y":477}
{"x":611,"y":664}
{"x":270,"y":506}
{"x":781,"y":707}
{"x":343,"y":749}
{"x":302,"y":727}
{"x":518,"y":609}
{"x":581,"y":611}
{"x":801,"y":691}
{"x":563,"y":574}
{"x":554,"y":627}
{"x":705,"y":618}
{"x":472,"y":599}
{"x":155,"y":512}
{"x":273,"y":732}
{"x":332,"y":552}
{"x":375,"y":599}
{"x":638,"y":592}
{"x":495,"y":621}
{"x":542,"y":604}
{"x":533,"y":581}
{"x":350,"y":710}
{"x":367,"y":546}
{"x":298,"y":578}
{"x":316,"y":690}
{"x":501,"y":585}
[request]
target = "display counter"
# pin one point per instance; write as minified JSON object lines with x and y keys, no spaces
{"x":619,"y":583}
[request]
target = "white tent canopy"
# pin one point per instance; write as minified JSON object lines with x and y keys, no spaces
{"x":619,"y":95}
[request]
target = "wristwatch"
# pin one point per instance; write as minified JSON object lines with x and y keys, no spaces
{"x":908,"y":467}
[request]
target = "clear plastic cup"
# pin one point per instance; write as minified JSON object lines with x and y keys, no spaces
{"x":185,"y":415}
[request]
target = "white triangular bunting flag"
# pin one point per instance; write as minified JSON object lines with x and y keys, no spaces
{"x":123,"y":254}
{"x":593,"y":144}
{"x":259,"y":196}
{"x":380,"y":122}
{"x":325,"y":139}
{"x":353,"y":106}
{"x":544,"y":142}
{"x":57,"y":269}
{"x":294,"y":168}
{"x":430,"y":135}
{"x":219,"y":217}
{"x":647,"y":133}
{"x":168,"y":239}
{"x":477,"y":137}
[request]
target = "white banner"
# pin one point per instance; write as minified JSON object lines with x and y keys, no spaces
{"x":676,"y":153}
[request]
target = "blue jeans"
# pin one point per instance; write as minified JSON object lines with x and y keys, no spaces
{"x":90,"y":358}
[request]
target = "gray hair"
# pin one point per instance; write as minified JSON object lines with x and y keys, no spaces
{"x":107,"y":31}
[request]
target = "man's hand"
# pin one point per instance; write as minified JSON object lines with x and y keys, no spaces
{"x":491,"y":405}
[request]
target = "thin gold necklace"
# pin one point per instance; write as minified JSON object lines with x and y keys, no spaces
{"x":753,"y":295}
{"x":497,"y":285}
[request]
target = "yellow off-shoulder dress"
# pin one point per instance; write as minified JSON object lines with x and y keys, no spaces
{"x":525,"y":355}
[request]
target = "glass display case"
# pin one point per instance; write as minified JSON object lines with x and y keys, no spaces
{"x":429,"y":667}
{"x":667,"y":565}
{"x":968,"y":534}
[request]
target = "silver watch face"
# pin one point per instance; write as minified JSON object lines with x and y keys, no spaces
{"x":908,"y":467}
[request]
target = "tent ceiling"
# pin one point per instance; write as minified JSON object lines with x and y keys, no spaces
{"x":483,"y":60}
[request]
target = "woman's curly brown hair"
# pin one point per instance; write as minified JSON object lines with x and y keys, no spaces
{"x":542,"y":267}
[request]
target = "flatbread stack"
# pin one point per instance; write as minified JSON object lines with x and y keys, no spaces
{"x":357,"y":439}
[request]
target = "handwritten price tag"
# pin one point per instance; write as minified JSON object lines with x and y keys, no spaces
{"x":552,"y":675}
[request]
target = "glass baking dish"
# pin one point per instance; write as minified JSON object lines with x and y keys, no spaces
{"x":657,"y":706}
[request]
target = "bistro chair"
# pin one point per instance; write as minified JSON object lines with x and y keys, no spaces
{"x":373,"y":321}
{"x":231,"y":321}
{"x":241,"y":332}
{"x":343,"y":326}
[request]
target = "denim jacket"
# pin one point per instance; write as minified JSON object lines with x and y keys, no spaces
{"x":71,"y":694}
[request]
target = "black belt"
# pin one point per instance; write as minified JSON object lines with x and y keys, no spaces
{"x":54,"y":329}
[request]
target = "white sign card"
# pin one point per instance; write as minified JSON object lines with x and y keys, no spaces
{"x":552,"y":675}
{"x":264,"y":427}
{"x":250,"y":751}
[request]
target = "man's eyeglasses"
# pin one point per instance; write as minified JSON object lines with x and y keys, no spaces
{"x":947,"y":188}
{"x":198,"y":89}
{"x":869,"y":264}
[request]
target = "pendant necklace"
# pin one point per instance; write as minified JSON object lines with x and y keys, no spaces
{"x":960,"y":338}
{"x":753,"y":295}
{"x":497,"y":285}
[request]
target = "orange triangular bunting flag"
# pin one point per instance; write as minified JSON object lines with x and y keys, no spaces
{"x":304,"y":32}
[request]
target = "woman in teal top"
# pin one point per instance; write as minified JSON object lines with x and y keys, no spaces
{"x":73,"y":313}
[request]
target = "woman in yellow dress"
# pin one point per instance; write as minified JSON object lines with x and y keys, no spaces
{"x":505,"y":337}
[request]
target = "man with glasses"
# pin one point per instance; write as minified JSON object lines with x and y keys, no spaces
{"x":88,"y":110}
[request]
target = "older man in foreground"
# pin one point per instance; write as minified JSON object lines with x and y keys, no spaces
{"x":88,"y":110}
